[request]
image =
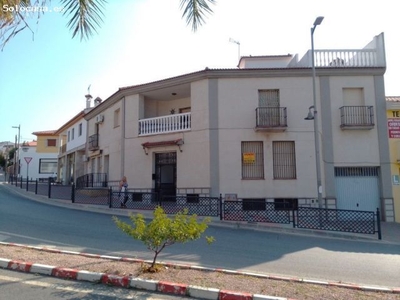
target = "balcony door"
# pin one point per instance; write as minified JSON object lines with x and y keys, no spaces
{"x":165,"y":173}
{"x":268,"y":102}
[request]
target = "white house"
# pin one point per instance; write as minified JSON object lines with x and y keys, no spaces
{"x":72,"y":139}
{"x":242,"y":132}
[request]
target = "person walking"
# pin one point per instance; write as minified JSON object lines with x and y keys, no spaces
{"x":123,"y":189}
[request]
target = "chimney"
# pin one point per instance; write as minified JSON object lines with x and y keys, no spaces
{"x":97,"y":101}
{"x":88,"y":100}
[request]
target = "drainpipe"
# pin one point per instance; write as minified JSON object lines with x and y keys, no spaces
{"x":123,"y":138}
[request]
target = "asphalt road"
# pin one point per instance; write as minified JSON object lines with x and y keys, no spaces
{"x":370,"y":263}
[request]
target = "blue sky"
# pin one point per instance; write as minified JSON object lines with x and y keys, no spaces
{"x":44,"y":78}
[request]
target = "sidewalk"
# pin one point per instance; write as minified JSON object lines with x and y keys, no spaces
{"x":390,"y":231}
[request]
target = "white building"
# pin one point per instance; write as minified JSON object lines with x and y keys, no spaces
{"x":243,"y":131}
{"x":72,"y":141}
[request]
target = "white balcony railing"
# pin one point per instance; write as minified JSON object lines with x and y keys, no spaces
{"x":165,"y":124}
{"x":345,"y":58}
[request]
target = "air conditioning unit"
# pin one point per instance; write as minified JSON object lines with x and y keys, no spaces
{"x":99,"y":119}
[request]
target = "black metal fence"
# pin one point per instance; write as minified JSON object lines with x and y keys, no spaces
{"x":256,"y":210}
{"x":92,"y":180}
{"x":337,"y":220}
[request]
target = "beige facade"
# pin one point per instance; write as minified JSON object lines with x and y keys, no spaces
{"x":243,"y":131}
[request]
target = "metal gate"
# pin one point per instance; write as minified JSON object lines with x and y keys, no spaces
{"x":357,"y":188}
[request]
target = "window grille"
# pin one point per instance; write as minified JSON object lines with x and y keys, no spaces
{"x":356,"y":171}
{"x":252,"y":160}
{"x":284,"y":160}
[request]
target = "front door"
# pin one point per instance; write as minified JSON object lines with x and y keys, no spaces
{"x":165,"y":173}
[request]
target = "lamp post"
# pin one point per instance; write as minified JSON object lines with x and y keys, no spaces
{"x":314,"y":116}
{"x":16,"y":156}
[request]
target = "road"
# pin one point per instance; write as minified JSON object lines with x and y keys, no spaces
{"x":371,"y":263}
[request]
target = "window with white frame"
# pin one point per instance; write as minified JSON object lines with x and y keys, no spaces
{"x":284,"y":160}
{"x":80,"y":129}
{"x":252,"y":160}
{"x":47,"y":166}
{"x":73,"y":134}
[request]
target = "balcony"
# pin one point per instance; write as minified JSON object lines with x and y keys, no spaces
{"x":94,"y":142}
{"x":344,"y":58}
{"x":63,"y":149}
{"x":271,"y":119}
{"x":357,"y":117}
{"x":165,"y":124}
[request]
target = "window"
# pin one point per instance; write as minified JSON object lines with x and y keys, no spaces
{"x":47,"y":166}
{"x":285,"y":204}
{"x":269,"y":107}
{"x":116,"y":117}
{"x":184,"y":110}
{"x":252,"y":160}
{"x":284,"y":157}
{"x":51,"y":142}
{"x":73,"y":134}
{"x":80,"y":129}
{"x":69,"y":135}
{"x":253,"y":204}
{"x":192,"y":198}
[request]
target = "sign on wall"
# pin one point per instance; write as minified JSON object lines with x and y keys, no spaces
{"x":394,"y":128}
{"x":249,"y":157}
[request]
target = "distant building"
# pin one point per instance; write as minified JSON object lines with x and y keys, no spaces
{"x":38,"y":159}
{"x":393,"y":123}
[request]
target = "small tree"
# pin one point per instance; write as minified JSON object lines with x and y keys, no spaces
{"x":163,"y":231}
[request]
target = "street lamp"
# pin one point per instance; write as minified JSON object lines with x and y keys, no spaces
{"x":312,"y":115}
{"x":16,"y":156}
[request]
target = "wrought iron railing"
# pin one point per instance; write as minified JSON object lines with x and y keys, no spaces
{"x":94,"y":142}
{"x":243,"y":210}
{"x":337,"y":220}
{"x":357,"y":116}
{"x":165,"y":124}
{"x":63,"y":149}
{"x":254,"y":211}
{"x":92,"y":180}
{"x":269,"y":117}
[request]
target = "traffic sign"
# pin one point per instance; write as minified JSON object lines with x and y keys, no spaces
{"x":28,"y":159}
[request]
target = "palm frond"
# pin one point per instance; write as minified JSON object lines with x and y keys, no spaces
{"x":195,"y":11}
{"x":86,"y":16}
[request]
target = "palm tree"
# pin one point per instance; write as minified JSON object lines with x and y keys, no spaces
{"x":85,"y":16}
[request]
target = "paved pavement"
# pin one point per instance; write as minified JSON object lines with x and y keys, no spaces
{"x":390,"y":231}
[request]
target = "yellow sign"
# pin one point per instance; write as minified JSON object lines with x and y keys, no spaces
{"x":249,"y":157}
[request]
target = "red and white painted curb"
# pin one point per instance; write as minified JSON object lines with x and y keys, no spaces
{"x":160,"y":286}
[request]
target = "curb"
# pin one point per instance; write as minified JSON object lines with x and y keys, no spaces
{"x":162,"y":286}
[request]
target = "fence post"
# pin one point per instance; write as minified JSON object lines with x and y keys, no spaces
{"x":73,"y":193}
{"x":160,"y":198}
{"x":36,"y":186}
{"x":21,"y":182}
{"x":110,"y":197}
{"x":27,"y":183}
{"x":293,"y":216}
{"x":221,"y":216}
{"x":378,"y":220}
{"x":49,"y":189}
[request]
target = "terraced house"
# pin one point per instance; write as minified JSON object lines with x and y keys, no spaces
{"x":241,"y":132}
